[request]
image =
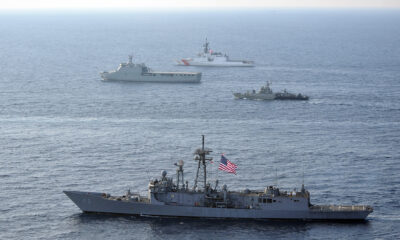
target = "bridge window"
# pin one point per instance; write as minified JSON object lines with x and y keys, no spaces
{"x":269,"y":200}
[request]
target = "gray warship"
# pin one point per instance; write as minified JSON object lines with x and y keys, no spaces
{"x":168,"y":198}
{"x":266,"y":93}
{"x":139,"y":72}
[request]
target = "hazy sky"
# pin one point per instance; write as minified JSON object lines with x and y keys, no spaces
{"x":184,"y":4}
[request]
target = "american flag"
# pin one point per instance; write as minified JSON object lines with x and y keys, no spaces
{"x":226,"y":165}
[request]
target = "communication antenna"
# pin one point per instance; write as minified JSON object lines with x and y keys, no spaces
{"x":276,"y":177}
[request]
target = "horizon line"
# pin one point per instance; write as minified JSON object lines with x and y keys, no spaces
{"x":182,"y":9}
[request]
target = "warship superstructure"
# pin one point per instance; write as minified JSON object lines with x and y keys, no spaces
{"x":141,"y":73}
{"x":209,"y":58}
{"x":169,"y":198}
{"x":266,"y":93}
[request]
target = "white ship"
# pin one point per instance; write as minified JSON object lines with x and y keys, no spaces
{"x":141,"y":73}
{"x":209,"y":58}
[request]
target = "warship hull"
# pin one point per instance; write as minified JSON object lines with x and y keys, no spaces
{"x":158,"y":77}
{"x":255,"y":96}
{"x":215,"y":64}
{"x":299,"y":97}
{"x":97,"y":203}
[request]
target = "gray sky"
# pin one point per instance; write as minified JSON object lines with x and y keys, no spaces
{"x":184,"y":4}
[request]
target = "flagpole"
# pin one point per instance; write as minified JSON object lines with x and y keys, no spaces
{"x":217,"y":170}
{"x":211,"y":173}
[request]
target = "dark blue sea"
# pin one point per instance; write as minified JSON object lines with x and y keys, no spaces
{"x":62,"y":128}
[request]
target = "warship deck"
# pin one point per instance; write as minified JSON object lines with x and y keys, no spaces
{"x":339,"y":208}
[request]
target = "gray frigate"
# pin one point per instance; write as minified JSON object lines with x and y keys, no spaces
{"x":169,"y":198}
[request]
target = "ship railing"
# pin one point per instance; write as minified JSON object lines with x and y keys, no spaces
{"x":221,"y":204}
{"x":341,"y":208}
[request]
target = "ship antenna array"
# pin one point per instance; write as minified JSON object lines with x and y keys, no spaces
{"x":201,"y":174}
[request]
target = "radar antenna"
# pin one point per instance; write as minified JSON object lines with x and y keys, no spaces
{"x":179,"y":173}
{"x":200,"y":156}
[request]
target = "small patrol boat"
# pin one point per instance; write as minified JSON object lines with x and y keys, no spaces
{"x":169,"y":198}
{"x":209,"y":58}
{"x":133,"y":72}
{"x":266,"y":93}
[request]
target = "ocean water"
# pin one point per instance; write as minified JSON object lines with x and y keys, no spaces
{"x":61,"y":128}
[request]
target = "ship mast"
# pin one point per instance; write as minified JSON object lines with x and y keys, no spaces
{"x":179,"y":174}
{"x":206,"y":49}
{"x":200,"y":156}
